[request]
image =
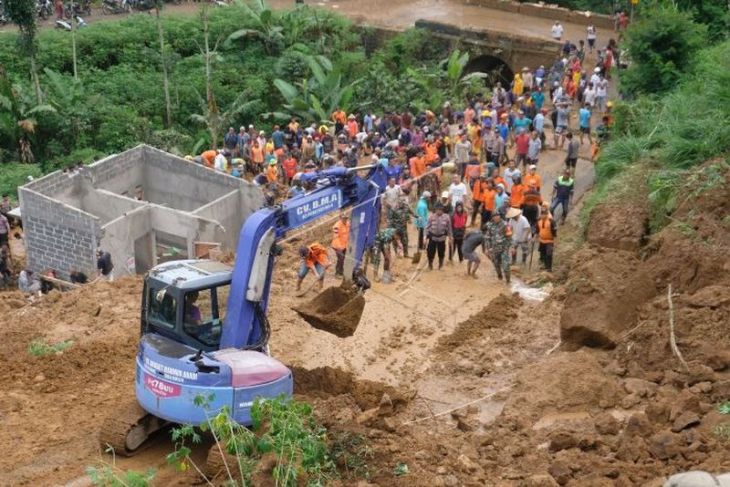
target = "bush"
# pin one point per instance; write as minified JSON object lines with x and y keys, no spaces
{"x":14,"y":174}
{"x":662,"y":47}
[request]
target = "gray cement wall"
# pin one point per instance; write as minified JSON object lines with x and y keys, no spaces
{"x":57,"y":235}
{"x":232,"y":210}
{"x":120,"y":235}
{"x":194,"y":186}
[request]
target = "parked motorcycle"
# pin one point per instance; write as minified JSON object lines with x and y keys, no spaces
{"x":115,"y":7}
{"x":76,"y":8}
{"x":66,"y":25}
{"x":44,"y":8}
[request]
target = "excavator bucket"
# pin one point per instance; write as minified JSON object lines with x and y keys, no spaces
{"x":335,"y":310}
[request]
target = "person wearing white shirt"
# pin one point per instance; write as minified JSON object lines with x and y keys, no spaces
{"x":457,"y":191}
{"x":220,"y":162}
{"x":510,"y":174}
{"x":601,"y":94}
{"x":557,"y":31}
{"x":521,"y":234}
{"x":589,"y":95}
{"x":392,"y":194}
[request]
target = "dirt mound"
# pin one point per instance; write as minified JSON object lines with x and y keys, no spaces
{"x":604,"y":290}
{"x":335,"y":310}
{"x":622,"y":224}
{"x":500,"y":310}
{"x":329,"y":381}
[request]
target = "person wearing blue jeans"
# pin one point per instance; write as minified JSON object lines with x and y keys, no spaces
{"x":562,"y":193}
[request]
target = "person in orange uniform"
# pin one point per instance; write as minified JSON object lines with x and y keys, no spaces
{"x":488,"y":195}
{"x":313,"y":258}
{"x":547,"y":231}
{"x":532,"y":178}
{"x":517,"y":196}
{"x":290,"y":166}
{"x":209,"y":157}
{"x":257,"y":157}
{"x":340,"y":119}
{"x":340,"y":237}
{"x":352,"y":127}
{"x":531,"y":202}
{"x":272,"y":172}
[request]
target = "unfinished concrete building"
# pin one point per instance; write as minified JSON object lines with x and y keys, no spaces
{"x":144,"y":206}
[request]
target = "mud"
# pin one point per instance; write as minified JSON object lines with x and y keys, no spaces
{"x":335,"y":310}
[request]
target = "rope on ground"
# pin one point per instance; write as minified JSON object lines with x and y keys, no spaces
{"x":442,"y":413}
{"x":672,"y":337}
{"x":555,"y":347}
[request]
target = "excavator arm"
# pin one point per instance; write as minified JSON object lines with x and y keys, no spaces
{"x":337,"y":188}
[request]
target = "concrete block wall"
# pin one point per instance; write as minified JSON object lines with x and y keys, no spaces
{"x":195,"y":185}
{"x":119,"y":173}
{"x":119,"y":236}
{"x":232,"y":210}
{"x":58,"y":236}
{"x":546,"y":11}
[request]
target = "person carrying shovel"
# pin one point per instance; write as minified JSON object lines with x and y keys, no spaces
{"x":313,"y":258}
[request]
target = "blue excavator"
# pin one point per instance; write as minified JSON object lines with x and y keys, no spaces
{"x":204,"y":327}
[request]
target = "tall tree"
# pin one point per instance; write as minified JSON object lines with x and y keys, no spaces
{"x":17,"y":117}
{"x":24,"y":14}
{"x":163,"y":61}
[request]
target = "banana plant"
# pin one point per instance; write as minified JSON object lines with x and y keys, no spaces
{"x":315,"y":97}
{"x":459,"y":82}
{"x":265,"y":28}
{"x":18,"y":112}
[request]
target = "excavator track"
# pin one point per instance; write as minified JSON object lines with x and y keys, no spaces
{"x":127,"y":430}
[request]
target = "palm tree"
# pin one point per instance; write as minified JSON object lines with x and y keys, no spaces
{"x":17,"y":117}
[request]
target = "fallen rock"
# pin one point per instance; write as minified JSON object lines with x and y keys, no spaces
{"x":663,"y":445}
{"x":700,"y":373}
{"x":709,"y":297}
{"x":685,"y":420}
{"x":560,"y":471}
{"x":562,"y":440}
{"x":638,"y":424}
{"x":640,"y":387}
{"x":367,"y":417}
{"x":467,"y":464}
{"x":539,"y":481}
{"x":685,"y":401}
{"x":606,"y":424}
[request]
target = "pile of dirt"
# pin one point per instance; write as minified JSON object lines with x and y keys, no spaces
{"x":500,"y":310}
{"x":336,"y":310}
{"x":54,"y":400}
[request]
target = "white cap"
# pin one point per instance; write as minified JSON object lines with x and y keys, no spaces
{"x":532,"y":166}
{"x":597,"y":70}
{"x":426,"y":194}
{"x":444,"y":194}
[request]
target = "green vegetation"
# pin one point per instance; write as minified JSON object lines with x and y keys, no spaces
{"x":39,"y":348}
{"x":234,"y":66}
{"x":110,"y":476}
{"x":662,"y":46}
{"x":282,"y":428}
{"x":671,"y":133}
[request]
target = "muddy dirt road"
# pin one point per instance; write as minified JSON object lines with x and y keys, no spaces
{"x":401,"y":14}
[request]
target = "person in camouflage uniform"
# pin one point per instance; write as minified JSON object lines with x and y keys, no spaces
{"x":383,"y":240}
{"x":398,"y":220}
{"x":498,"y":239}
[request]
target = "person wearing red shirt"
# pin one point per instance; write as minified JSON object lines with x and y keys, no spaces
{"x":522,"y":143}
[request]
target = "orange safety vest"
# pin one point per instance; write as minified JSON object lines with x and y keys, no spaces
{"x":341,"y":234}
{"x":208,"y":157}
{"x":544,"y":226}
{"x":317,"y":255}
{"x":532,"y":178}
{"x":517,"y":196}
{"x":272,"y":174}
{"x":488,"y":198}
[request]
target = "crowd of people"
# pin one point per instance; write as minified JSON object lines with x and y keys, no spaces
{"x":465,"y":177}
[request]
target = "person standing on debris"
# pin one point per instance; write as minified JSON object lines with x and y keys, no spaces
{"x":398,"y":220}
{"x":4,"y":230}
{"x":547,"y":231}
{"x":498,"y":240}
{"x":383,"y":241}
{"x":458,"y":230}
{"x":422,"y":217}
{"x":472,"y":241}
{"x":571,"y":157}
{"x":313,"y":258}
{"x":563,"y":193}
{"x":104,"y":265}
{"x":340,"y":237}
{"x":521,"y":234}
{"x":438,"y":230}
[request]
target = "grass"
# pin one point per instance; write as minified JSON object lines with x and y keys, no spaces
{"x":669,"y":135}
{"x":13,"y":174}
{"x":39,"y":348}
{"x":109,"y":476}
{"x":352,"y":452}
